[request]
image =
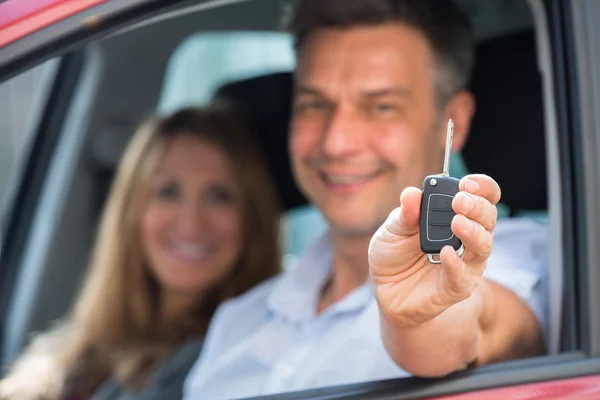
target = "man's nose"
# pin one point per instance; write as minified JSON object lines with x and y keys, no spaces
{"x":343,"y":134}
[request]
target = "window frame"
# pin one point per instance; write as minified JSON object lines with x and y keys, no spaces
{"x":25,"y":202}
{"x":34,"y":116}
{"x":582,"y":56}
{"x":577,"y":105}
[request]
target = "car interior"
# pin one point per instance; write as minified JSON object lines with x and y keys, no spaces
{"x":236,"y":50}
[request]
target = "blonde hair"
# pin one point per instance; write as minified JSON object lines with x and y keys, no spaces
{"x":113,"y":328}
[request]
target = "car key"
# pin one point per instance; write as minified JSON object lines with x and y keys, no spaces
{"x":436,"y":208}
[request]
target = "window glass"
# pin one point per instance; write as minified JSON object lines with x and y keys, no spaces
{"x":205,"y":61}
{"x":22,"y":98}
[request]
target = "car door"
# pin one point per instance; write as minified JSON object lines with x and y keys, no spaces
{"x":62,"y":33}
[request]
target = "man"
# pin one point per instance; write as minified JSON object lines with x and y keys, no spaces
{"x":376,"y":82}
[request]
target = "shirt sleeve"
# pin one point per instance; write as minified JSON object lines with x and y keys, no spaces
{"x":519,"y":262}
{"x":233,"y":321}
{"x":210,"y":350}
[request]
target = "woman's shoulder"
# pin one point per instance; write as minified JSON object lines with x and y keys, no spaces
{"x":40,"y":363}
{"x":165,"y":383}
{"x":179,"y":362}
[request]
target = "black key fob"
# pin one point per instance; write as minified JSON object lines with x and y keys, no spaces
{"x":436,"y":216}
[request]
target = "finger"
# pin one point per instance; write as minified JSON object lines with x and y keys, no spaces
{"x":456,"y":283}
{"x":481,"y":185}
{"x":477,"y":209}
{"x":404,"y":221}
{"x":475,"y":238}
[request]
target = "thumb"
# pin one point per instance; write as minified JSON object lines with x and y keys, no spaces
{"x":404,"y":221}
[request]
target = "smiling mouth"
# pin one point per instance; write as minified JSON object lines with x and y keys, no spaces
{"x":343,"y":180}
{"x":191,"y":252}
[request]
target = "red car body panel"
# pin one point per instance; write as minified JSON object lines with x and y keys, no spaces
{"x":582,"y":388}
{"x":19,"y":18}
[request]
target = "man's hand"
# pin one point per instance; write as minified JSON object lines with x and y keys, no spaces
{"x":439,"y":318}
{"x":409,"y":289}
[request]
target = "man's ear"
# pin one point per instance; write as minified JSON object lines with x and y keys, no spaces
{"x":461,"y":109}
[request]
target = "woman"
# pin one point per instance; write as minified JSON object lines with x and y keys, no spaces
{"x":191,"y":220}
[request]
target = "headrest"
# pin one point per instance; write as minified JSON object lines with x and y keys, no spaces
{"x":507,"y":132}
{"x":266,"y":101}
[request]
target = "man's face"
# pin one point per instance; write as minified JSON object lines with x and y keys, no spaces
{"x":365,"y":123}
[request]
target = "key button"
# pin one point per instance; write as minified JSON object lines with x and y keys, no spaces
{"x":440,"y":232}
{"x":440,"y":202}
{"x":440,"y":217}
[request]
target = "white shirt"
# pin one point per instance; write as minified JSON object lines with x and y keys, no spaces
{"x":271,"y":340}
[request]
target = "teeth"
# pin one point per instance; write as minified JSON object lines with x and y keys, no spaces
{"x":191,"y":250}
{"x":344,"y":180}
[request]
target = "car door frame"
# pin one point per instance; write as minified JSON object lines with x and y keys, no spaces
{"x":577,"y":86}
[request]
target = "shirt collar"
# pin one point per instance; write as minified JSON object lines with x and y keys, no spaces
{"x":296,"y":294}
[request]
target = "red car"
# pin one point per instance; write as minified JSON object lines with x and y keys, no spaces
{"x":77,"y":75}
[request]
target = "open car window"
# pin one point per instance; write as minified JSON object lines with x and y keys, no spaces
{"x":208,"y":47}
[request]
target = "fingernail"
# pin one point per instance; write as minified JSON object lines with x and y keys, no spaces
{"x":471,"y":186}
{"x":467,"y":202}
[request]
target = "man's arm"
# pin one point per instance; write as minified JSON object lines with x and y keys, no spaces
{"x":492,"y":325}
{"x":439,"y":318}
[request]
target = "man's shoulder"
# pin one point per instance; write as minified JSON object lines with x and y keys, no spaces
{"x":245,"y":309}
{"x":519,"y":258}
{"x":255,"y":296}
{"x":521,"y":228}
{"x":522,"y":239}
{"x":310,"y":265}
{"x":234,"y":320}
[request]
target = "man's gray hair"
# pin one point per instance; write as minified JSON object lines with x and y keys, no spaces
{"x":444,"y":25}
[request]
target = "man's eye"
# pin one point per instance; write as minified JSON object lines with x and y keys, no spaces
{"x":384,"y":108}
{"x":313,"y":105}
{"x":169,"y":191}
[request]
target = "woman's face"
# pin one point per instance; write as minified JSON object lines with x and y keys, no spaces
{"x":191,"y":227}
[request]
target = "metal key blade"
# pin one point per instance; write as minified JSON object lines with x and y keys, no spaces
{"x":448,"y":150}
